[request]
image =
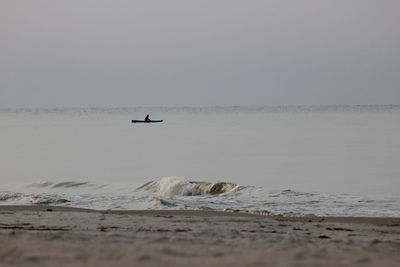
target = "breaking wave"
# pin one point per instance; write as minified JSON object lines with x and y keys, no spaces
{"x":36,"y":199}
{"x":180,"y":193}
{"x":176,"y":186}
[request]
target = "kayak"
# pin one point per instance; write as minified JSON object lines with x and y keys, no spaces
{"x":138,"y":121}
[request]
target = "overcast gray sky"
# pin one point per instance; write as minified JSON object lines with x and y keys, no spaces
{"x":83,"y":53}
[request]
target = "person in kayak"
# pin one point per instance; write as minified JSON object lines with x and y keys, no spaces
{"x":147,"y":118}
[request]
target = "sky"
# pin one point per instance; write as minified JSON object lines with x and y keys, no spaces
{"x":114,"y":53}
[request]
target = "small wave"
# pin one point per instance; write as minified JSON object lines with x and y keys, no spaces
{"x":67,"y":184}
{"x":4,"y":196}
{"x":215,"y":188}
{"x":176,"y":186}
{"x":147,"y":186}
{"x":157,"y":202}
{"x":39,"y":185}
{"x":48,"y":200}
{"x":18,"y":198}
{"x":291,"y":193}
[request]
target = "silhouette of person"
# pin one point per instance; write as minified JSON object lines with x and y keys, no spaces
{"x":147,"y":118}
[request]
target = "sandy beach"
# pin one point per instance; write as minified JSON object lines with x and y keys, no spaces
{"x":58,"y":236}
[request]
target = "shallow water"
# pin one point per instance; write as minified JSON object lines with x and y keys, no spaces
{"x":340,"y":160}
{"x":179,"y":193}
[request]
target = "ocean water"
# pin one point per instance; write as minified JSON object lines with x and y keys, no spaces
{"x":332,"y":161}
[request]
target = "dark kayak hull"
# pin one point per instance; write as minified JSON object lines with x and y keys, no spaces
{"x":138,"y":121}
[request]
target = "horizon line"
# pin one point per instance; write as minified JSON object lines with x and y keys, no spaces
{"x":197,"y":106}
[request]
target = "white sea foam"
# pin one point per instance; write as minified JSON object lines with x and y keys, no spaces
{"x":171,"y":186}
{"x":181,"y":193}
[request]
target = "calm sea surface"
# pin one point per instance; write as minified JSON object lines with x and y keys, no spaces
{"x":338,"y":160}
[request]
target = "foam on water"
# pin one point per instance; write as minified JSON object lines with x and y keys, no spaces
{"x":181,"y":193}
{"x":173,"y":186}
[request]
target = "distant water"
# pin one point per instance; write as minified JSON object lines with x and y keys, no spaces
{"x":336,"y":160}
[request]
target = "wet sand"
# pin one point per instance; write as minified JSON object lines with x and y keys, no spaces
{"x":58,"y":236}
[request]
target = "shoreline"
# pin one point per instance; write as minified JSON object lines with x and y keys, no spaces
{"x":204,"y":213}
{"x":65,"y":236}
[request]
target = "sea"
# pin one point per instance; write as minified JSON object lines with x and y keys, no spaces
{"x":284,"y":160}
